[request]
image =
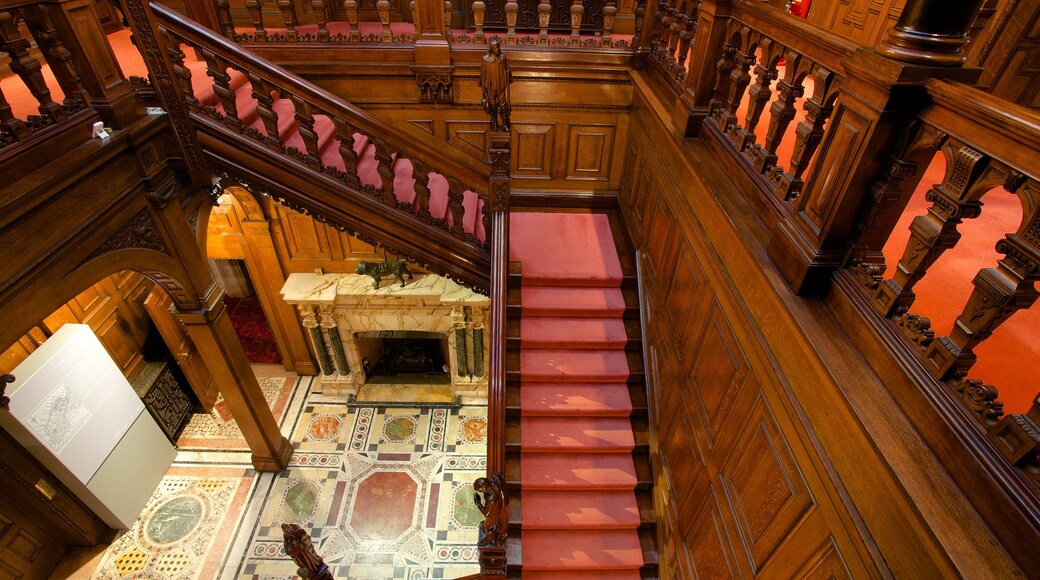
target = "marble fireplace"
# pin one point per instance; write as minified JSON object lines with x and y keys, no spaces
{"x":431,"y":327}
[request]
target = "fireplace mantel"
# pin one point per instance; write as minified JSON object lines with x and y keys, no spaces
{"x":336,"y":307}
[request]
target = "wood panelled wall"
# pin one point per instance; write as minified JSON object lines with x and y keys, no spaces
{"x":863,"y":21}
{"x":776,"y":450}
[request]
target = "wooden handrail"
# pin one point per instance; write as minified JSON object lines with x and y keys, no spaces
{"x":471,"y":171}
{"x":819,"y":45}
{"x":499,"y":236}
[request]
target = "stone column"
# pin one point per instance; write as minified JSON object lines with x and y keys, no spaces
{"x":310,"y":322}
{"x":457,"y":341}
{"x":931,"y":32}
{"x":211,"y":331}
{"x":342,"y":381}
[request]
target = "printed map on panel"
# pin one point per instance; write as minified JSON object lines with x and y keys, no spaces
{"x":58,"y":418}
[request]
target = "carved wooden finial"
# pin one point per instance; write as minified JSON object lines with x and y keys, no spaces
{"x":299,"y":547}
{"x":4,"y":400}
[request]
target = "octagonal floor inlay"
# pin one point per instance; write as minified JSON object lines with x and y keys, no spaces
{"x":174,"y":519}
{"x":384,"y":506}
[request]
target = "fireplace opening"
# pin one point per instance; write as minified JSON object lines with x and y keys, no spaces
{"x":404,"y":356}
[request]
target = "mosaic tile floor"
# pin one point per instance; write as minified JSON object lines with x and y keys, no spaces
{"x":386,"y":492}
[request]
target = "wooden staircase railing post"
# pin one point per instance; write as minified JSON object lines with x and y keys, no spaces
{"x":710,"y":25}
{"x":512,"y":7}
{"x":255,"y":9}
{"x":351,"y":8}
{"x":478,"y":20}
{"x":14,"y":126}
{"x":577,"y":11}
{"x":544,"y":11}
{"x":227,"y":24}
{"x":288,"y":10}
{"x":320,"y":9}
{"x":383,"y":7}
{"x":609,"y":13}
{"x":47,"y":38}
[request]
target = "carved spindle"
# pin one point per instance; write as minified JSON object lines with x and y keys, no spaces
{"x":27,"y":67}
{"x":351,"y":8}
{"x":305,"y":116}
{"x":781,"y":113}
{"x":455,"y":207}
{"x":256,"y":13}
{"x":659,"y":20}
{"x":511,"y":10}
{"x":216,"y":69}
{"x":723,"y":68}
{"x":954,"y":200}
{"x":478,"y":20}
{"x":422,"y":191}
{"x":385,"y":168}
{"x":609,"y":13}
{"x":685,"y":40}
{"x":544,"y":11}
{"x":182,"y":72}
{"x":227,"y":25}
{"x":577,"y":11}
{"x":674,"y":32}
{"x":321,"y":17}
{"x":808,"y":134}
{"x":740,"y":78}
{"x":664,"y":29}
{"x":264,"y":101}
{"x":10,"y":124}
{"x":288,"y":10}
{"x":54,"y":51}
{"x":383,"y":6}
{"x":447,"y":20}
{"x":639,"y":14}
{"x":758,"y":96}
{"x":485,"y":218}
{"x":345,"y":134}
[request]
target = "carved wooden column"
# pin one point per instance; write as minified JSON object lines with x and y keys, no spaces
{"x":27,"y":67}
{"x":433,"y":67}
{"x":110,"y":95}
{"x":710,"y":32}
{"x":931,"y":32}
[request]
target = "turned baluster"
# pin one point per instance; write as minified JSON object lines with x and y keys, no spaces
{"x":781,"y":113}
{"x":447,"y":20}
{"x":544,"y":11}
{"x":609,"y":13}
{"x":674,"y":31}
{"x":227,"y":25}
{"x":421,"y":174}
{"x":723,"y":68}
{"x":305,"y":116}
{"x":740,"y":78}
{"x":321,"y":17}
{"x":455,"y":207}
{"x":808,"y":134}
{"x":758,"y":96}
{"x":345,"y":134}
{"x":351,"y":8}
{"x":655,"y":34}
{"x":176,"y":56}
{"x":478,"y":20}
{"x":385,"y":167}
{"x":685,"y":39}
{"x":999,"y":292}
{"x":664,"y":34}
{"x":216,"y":69}
{"x":11,"y":124}
{"x":640,"y":12}
{"x":955,"y":199}
{"x":577,"y":11}
{"x":59,"y":57}
{"x":383,"y":6}
{"x":485,"y":214}
{"x":255,"y":12}
{"x":288,"y":9}
{"x":264,"y":101}
{"x":27,"y":68}
{"x":511,"y":10}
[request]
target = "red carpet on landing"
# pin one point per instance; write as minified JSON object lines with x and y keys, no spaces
{"x":578,"y":506}
{"x":253,"y":330}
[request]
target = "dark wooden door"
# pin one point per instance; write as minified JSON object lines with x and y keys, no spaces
{"x":27,"y":550}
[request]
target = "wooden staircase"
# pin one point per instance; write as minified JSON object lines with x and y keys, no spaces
{"x":576,"y":432}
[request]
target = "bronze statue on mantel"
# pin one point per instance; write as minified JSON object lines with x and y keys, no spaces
{"x":495,"y":78}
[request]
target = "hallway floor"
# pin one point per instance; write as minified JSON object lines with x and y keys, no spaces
{"x":386,"y":491}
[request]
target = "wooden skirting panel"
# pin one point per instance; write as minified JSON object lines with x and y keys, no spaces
{"x":776,"y":449}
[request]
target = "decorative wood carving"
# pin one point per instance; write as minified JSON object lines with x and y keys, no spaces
{"x":299,"y":547}
{"x":5,"y":400}
{"x":139,"y":232}
{"x":435,"y":86}
{"x":495,"y":78}
{"x":493,"y":505}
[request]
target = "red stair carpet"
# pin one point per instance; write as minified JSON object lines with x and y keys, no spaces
{"x":578,"y":506}
{"x":253,"y":330}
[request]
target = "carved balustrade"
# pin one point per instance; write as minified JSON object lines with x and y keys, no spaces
{"x":87,"y":89}
{"x":989,"y":147}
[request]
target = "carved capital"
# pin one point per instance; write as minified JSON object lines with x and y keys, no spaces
{"x":328,"y":315}
{"x":308,"y":316}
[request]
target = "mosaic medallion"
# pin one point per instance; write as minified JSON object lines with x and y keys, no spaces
{"x":174,"y":519}
{"x":384,"y":505}
{"x":473,"y":430}
{"x":324,"y":428}
{"x":465,"y":511}
{"x":399,"y":429}
{"x":299,"y":502}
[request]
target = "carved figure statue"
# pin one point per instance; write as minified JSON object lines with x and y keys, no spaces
{"x":299,"y":547}
{"x":379,"y":270}
{"x":495,"y":526}
{"x":4,"y":381}
{"x":495,"y":78}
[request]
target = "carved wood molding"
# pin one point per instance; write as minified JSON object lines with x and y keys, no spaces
{"x":139,"y":232}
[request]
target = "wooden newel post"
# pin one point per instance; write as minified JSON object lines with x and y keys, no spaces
{"x":931,"y":32}
{"x":494,"y":504}
{"x":710,"y":32}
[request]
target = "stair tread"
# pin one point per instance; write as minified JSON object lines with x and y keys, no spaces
{"x":577,"y":471}
{"x":569,"y":249}
{"x":575,"y":509}
{"x":572,"y":301}
{"x":553,"y":332}
{"x":628,"y":574}
{"x":581,"y":549}
{"x":576,"y":434}
{"x":573,"y":365}
{"x":599,"y":399}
